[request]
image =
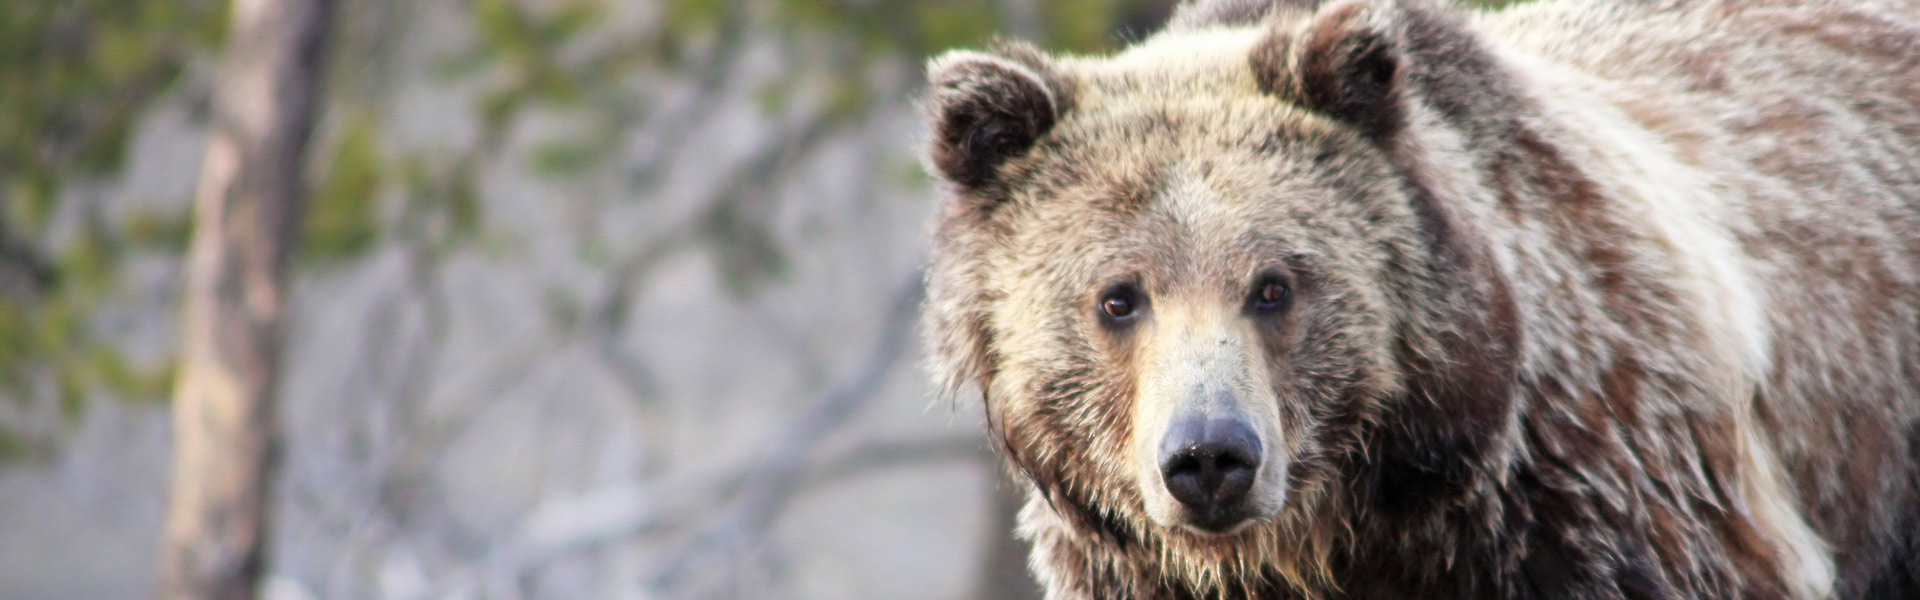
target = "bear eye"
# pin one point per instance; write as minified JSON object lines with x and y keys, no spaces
{"x":1269,"y":296}
{"x":1121,"y":303}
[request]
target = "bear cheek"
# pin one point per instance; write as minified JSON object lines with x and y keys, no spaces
{"x":1153,"y":407}
{"x":1279,"y":419}
{"x":1151,"y":414}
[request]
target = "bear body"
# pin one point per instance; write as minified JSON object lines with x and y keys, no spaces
{"x":1382,"y":299}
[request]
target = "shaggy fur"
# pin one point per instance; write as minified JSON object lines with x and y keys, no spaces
{"x":1591,"y":300}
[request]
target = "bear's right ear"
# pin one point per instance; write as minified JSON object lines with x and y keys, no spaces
{"x":984,"y":109}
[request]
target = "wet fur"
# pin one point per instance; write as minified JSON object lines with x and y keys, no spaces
{"x":1600,"y":300}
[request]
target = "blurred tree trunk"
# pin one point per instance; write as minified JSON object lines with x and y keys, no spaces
{"x":1004,"y":574}
{"x":246,"y":215}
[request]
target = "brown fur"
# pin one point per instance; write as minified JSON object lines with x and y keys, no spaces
{"x":1593,"y":300}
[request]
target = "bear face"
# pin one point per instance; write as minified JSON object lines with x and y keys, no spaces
{"x":1144,"y":286}
{"x":1194,"y":284}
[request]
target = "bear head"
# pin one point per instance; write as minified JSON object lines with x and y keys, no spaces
{"x":1222,"y":291}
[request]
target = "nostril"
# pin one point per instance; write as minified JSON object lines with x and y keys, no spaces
{"x":1208,"y":475}
{"x":1233,"y":458}
{"x":1184,"y":463}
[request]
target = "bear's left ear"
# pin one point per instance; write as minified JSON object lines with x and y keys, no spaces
{"x":1347,"y":62}
{"x":984,"y":109}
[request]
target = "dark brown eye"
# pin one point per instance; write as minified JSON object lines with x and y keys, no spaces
{"x":1269,"y":296}
{"x":1121,"y":303}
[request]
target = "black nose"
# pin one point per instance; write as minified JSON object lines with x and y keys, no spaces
{"x":1208,"y":464}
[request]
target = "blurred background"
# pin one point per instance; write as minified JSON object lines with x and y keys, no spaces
{"x":591,"y":299}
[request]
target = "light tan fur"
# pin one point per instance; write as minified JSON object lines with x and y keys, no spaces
{"x":1595,"y":300}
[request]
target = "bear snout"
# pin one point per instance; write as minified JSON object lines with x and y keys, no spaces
{"x":1209,"y":465}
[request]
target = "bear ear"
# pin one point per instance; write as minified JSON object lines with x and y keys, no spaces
{"x":984,"y":109}
{"x":1346,"y":62}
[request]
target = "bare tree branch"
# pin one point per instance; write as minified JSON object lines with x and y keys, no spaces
{"x":716,"y":69}
{"x":25,"y":273}
{"x":773,"y":481}
{"x":887,"y":454}
{"x":568,"y":526}
{"x":619,"y":512}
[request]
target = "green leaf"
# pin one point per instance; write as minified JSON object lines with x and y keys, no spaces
{"x":72,"y":395}
{"x":464,"y":213}
{"x":565,"y":158}
{"x":167,"y":233}
{"x":108,"y":367}
{"x":695,"y":14}
{"x":342,"y":219}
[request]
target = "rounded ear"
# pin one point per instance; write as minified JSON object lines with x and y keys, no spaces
{"x":1346,"y":62}
{"x":982,"y":110}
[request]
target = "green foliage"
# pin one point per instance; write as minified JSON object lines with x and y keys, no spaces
{"x":342,"y":215}
{"x":166,"y":233}
{"x":75,"y":76}
{"x":30,"y":199}
{"x":1085,"y":25}
{"x":463,"y":208}
{"x":443,"y":210}
{"x":696,"y":14}
{"x":894,"y":27}
{"x":526,"y":45}
{"x":566,"y":158}
{"x":921,"y":27}
{"x":948,"y":24}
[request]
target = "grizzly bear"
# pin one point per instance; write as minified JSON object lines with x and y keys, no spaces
{"x":1387,"y":299}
